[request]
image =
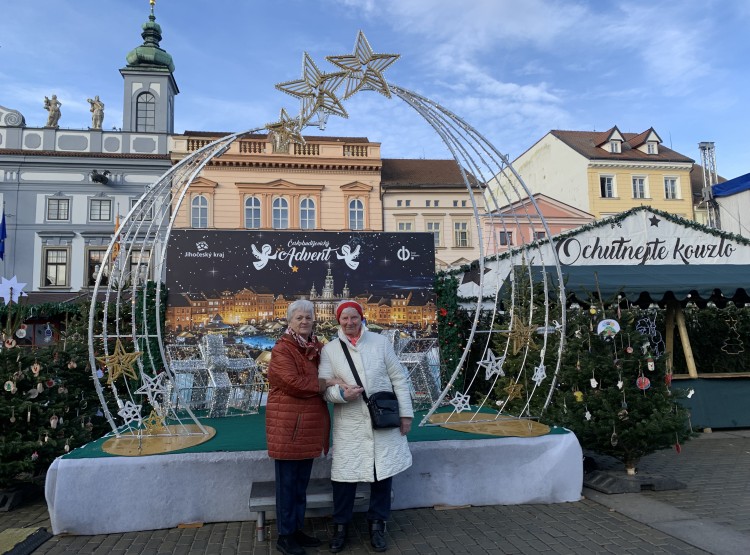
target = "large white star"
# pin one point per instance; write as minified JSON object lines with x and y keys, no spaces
{"x":11,"y":290}
{"x":461,"y":402}
{"x":364,"y":69}
{"x":316,"y":90}
{"x":492,"y":364}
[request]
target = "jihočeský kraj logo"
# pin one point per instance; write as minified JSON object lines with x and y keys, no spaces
{"x":201,"y":251}
{"x":305,"y":251}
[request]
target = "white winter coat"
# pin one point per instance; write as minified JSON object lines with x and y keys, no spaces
{"x":357,"y":447}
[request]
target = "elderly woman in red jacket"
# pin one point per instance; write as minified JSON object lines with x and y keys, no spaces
{"x":297,"y":423}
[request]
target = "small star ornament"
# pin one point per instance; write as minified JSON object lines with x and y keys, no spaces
{"x":493,"y":365}
{"x":154,"y":423}
{"x":130,"y":412}
{"x":540,"y":373}
{"x":284,"y":132}
{"x":153,"y":388}
{"x":514,"y":391}
{"x":460,"y":402}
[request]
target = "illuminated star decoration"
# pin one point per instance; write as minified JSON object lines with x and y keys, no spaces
{"x":539,"y":374}
{"x":130,"y":412}
{"x":120,"y":362}
{"x":11,"y":290}
{"x":364,"y":69}
{"x":514,"y":391}
{"x":153,"y":387}
{"x":153,"y":423}
{"x":285,"y":131}
{"x":492,"y":365}
{"x":316,"y":90}
{"x":461,"y":402}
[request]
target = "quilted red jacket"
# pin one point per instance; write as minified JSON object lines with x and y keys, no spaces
{"x":298,"y":424}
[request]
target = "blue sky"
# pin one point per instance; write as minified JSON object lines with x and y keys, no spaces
{"x":513,"y":69}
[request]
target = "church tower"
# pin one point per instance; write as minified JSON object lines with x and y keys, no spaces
{"x":150,"y":87}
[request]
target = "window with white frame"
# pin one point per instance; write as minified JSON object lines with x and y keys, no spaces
{"x":145,"y":112}
{"x":539,"y":235}
{"x":252,"y":213}
{"x":55,"y":267}
{"x":436,"y":203}
{"x":434,"y":228}
{"x":146,"y":214}
{"x":639,"y":187}
{"x":671,"y":190}
{"x":100,"y":209}
{"x":607,"y":186}
{"x":505,"y":238}
{"x":58,"y":209}
{"x":461,"y":234}
{"x":356,"y":214}
{"x":614,"y":146}
{"x":280,"y":213}
{"x":199,"y":212}
{"x":307,"y":213}
{"x":94,"y":261}
{"x":405,"y":226}
{"x":651,"y":148}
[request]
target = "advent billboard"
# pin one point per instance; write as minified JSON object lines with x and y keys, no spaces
{"x":226,"y":279}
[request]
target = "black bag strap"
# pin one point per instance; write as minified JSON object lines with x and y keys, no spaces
{"x":348,"y":356}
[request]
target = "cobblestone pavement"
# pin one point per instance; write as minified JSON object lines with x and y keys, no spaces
{"x":716,"y":468}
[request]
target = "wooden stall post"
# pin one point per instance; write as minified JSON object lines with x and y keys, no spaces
{"x":669,"y":339}
{"x":682,"y":328}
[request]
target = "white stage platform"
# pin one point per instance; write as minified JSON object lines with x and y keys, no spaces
{"x":105,"y":495}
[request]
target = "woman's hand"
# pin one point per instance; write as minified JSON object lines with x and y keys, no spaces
{"x":352,"y":392}
{"x":405,"y":425}
{"x":324,"y":383}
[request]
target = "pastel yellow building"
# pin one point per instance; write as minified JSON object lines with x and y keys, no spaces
{"x":608,"y":172}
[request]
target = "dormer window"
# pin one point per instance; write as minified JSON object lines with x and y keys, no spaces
{"x":614,"y":146}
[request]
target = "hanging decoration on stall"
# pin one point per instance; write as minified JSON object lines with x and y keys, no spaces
{"x":733,"y":344}
{"x":608,"y":328}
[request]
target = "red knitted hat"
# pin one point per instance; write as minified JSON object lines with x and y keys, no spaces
{"x":348,"y":304}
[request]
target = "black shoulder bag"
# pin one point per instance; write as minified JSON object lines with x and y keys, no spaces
{"x":383,"y":405}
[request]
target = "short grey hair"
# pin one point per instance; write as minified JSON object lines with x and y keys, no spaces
{"x":301,"y":305}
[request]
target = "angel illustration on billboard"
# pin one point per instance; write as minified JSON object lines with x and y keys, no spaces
{"x":349,"y":256}
{"x":263,"y":256}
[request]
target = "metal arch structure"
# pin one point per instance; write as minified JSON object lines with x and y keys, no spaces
{"x":144,"y":233}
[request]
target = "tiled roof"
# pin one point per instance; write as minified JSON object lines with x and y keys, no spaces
{"x":398,"y":172}
{"x":585,"y":143}
{"x":130,"y":156}
{"x":313,"y":138}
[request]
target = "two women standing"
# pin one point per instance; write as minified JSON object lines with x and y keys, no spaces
{"x":297,"y":423}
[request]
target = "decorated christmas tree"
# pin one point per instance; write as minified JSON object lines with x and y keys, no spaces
{"x":48,"y":405}
{"x":614,"y":390}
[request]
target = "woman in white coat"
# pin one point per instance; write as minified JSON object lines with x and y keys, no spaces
{"x":361,"y":453}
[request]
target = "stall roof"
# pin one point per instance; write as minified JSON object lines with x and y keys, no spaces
{"x":642,"y":254}
{"x":732,"y":186}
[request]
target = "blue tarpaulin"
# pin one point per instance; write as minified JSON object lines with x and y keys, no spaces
{"x":733,"y":186}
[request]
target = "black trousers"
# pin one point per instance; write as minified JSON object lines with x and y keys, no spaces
{"x":343,"y":500}
{"x":292,"y":478}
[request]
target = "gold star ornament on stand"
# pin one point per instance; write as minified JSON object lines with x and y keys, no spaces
{"x":120,"y":363}
{"x":514,"y":391}
{"x":364,"y":69}
{"x":521,"y":335}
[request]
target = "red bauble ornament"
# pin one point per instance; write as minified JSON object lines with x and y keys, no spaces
{"x":643,"y":383}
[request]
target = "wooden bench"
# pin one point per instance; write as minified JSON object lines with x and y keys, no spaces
{"x":319,"y":500}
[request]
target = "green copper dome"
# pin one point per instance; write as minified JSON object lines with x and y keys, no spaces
{"x":149,"y":54}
